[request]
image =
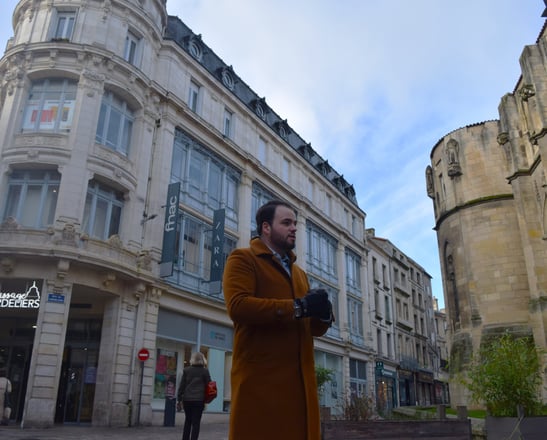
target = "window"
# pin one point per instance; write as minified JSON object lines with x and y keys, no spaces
{"x":131,"y":50}
{"x":321,"y":253}
{"x":355,"y":318}
{"x":207,"y":182}
{"x":285,"y":170}
{"x":228,"y":122}
{"x":50,"y":106}
{"x":388,"y":342}
{"x":195,"y":245}
{"x":353,"y":272}
{"x":103,"y":210}
{"x":261,"y":153}
{"x":193,"y":96}
{"x":328,"y":205}
{"x":260,"y":196}
{"x":311,"y":191}
{"x":32,"y":197}
{"x":64,"y":25}
{"x":387,"y":308}
{"x":358,"y":377}
{"x":379,"y":341}
{"x":115,"y":123}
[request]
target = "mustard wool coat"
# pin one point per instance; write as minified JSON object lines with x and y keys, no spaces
{"x":274,"y":389}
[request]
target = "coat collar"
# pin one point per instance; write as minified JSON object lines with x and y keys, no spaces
{"x":260,"y":248}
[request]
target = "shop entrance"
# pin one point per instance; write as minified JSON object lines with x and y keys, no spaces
{"x":78,"y":372}
{"x":17,"y":362}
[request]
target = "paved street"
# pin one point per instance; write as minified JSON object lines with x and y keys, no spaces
{"x":213,"y":427}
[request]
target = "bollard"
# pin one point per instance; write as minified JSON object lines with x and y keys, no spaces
{"x":441,"y":412}
{"x":462,"y":412}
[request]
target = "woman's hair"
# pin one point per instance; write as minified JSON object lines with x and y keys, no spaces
{"x":266,"y":213}
{"x":197,"y":359}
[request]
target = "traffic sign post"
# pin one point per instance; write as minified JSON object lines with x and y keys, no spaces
{"x":142,"y":355}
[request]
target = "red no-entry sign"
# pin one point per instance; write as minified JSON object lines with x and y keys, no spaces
{"x":143,"y":355}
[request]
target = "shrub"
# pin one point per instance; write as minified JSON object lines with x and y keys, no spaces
{"x":323,"y":376}
{"x":356,"y":408}
{"x":506,"y":374}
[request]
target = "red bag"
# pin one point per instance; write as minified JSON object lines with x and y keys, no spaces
{"x":210,"y":391}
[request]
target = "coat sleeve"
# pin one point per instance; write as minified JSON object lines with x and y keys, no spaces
{"x":182,"y":386}
{"x":240,"y":293}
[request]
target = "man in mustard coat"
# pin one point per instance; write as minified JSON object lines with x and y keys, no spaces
{"x":276,"y":316}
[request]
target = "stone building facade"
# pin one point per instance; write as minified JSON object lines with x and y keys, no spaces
{"x":488,"y":185}
{"x":125,"y":141}
{"x":405,"y":325}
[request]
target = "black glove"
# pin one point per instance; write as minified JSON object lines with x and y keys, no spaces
{"x":315,"y":304}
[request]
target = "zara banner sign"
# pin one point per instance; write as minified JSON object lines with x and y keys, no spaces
{"x":217,"y":257}
{"x":170,"y":230}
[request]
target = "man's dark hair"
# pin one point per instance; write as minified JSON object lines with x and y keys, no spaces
{"x":266,"y":213}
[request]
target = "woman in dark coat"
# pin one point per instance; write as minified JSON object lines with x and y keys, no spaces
{"x":192,"y":394}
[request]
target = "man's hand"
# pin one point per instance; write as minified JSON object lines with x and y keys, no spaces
{"x":315,"y":304}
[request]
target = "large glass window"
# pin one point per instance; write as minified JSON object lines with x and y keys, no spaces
{"x":103,"y":210}
{"x":260,"y":196}
{"x":194,"y":251}
{"x":32,"y":197}
{"x":358,"y":377}
{"x":207,"y":182}
{"x":50,"y":106}
{"x":115,"y":123}
{"x":353,"y":272}
{"x":355,"y":320}
{"x":64,"y":24}
{"x":321,"y":253}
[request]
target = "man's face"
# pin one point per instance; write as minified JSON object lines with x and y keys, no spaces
{"x":281,"y":234}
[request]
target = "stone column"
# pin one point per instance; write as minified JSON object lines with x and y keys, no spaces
{"x":47,"y":354}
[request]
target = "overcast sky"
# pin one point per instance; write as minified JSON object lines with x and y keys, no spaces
{"x":372,"y":85}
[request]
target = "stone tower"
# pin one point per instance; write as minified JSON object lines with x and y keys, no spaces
{"x":489,"y":190}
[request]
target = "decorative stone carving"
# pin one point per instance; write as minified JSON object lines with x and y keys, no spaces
{"x":62,"y":269}
{"x":503,"y":138}
{"x":144,"y":260}
{"x":115,"y":241}
{"x":109,"y":279}
{"x":430,"y":185}
{"x":10,"y":224}
{"x":526,"y":92}
{"x":7,"y":264}
{"x":453,"y":158}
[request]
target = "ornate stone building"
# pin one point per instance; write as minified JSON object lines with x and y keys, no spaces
{"x":489,"y":188}
{"x":124,"y":142}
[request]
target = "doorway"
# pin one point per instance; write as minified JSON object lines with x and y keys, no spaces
{"x":78,"y":372}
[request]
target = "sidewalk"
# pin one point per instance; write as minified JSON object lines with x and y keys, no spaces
{"x":213,"y":427}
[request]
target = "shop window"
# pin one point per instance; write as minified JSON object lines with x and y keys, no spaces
{"x":115,"y":123}
{"x":50,"y":106}
{"x":103,"y":209}
{"x":32,"y":197}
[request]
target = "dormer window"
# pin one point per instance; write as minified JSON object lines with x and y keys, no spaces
{"x":227,"y":78}
{"x":194,"y":47}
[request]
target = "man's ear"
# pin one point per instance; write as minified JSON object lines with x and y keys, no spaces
{"x":266,"y":228}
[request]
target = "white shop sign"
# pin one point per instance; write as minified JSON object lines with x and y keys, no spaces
{"x":21,"y":300}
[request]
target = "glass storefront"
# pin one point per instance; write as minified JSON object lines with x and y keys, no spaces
{"x":19,"y":303}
